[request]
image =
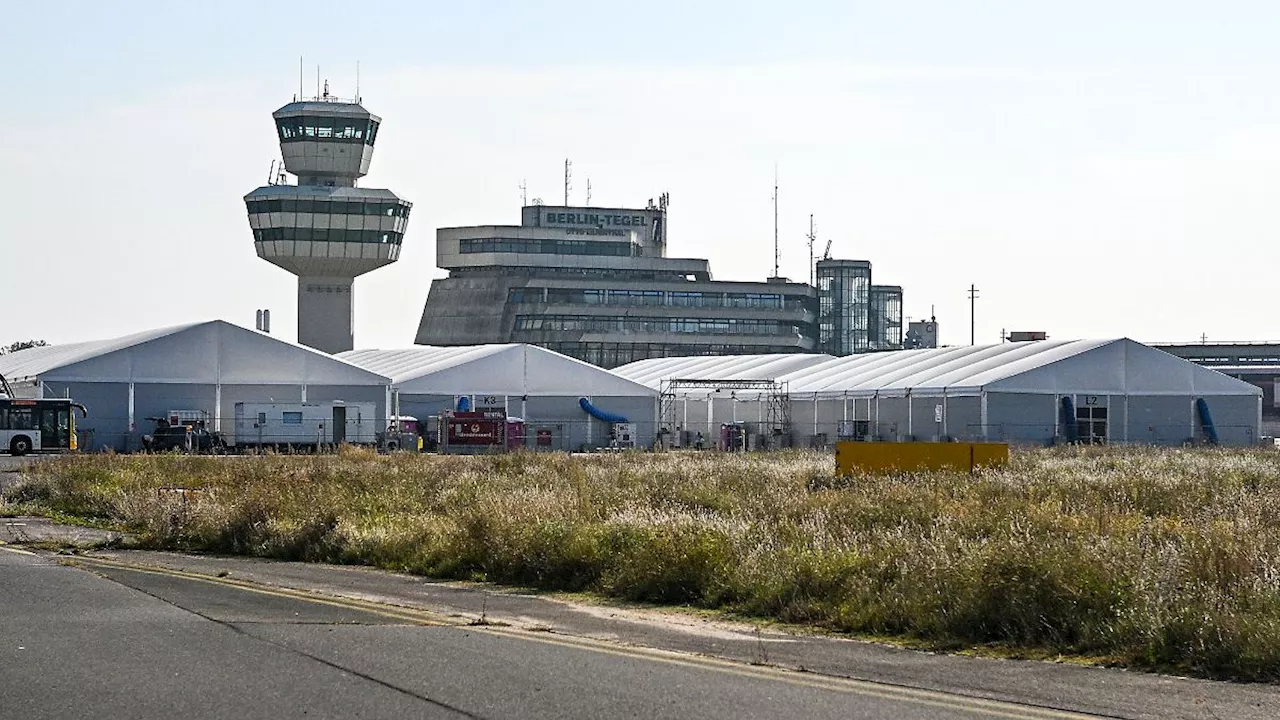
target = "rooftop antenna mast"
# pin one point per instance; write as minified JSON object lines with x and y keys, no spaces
{"x":568,"y":177}
{"x":812,"y":238}
{"x":973,"y":299}
{"x":300,"y":91}
{"x":775,"y":219}
{"x":317,"y":81}
{"x":357,"y":81}
{"x":524,"y":193}
{"x":588,"y":192}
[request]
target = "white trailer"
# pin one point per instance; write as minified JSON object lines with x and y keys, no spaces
{"x":305,"y":424}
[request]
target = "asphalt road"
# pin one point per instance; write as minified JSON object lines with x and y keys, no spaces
{"x":102,"y":640}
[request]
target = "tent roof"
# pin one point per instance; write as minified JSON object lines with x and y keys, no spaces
{"x":503,"y":369}
{"x":1117,"y":366}
{"x":969,"y":367}
{"x":207,"y":352}
{"x":653,"y":371}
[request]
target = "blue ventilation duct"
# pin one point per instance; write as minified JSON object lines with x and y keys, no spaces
{"x":1069,"y":427}
{"x":1206,"y":421}
{"x":599,"y":414}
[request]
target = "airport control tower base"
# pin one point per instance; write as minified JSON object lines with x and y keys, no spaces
{"x":326,"y":310}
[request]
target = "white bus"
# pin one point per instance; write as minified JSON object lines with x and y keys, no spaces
{"x":28,"y":426}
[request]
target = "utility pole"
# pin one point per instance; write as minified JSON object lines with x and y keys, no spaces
{"x":811,"y":239}
{"x":973,"y":296}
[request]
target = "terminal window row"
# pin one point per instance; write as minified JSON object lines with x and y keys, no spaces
{"x":611,"y":355}
{"x":329,"y":235}
{"x":329,"y":207}
{"x":674,"y":298}
{"x":575,"y":273}
{"x":327,"y":129}
{"x":546,"y":247}
{"x":702,"y":326}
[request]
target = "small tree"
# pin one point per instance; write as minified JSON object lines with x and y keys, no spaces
{"x":21,"y":345}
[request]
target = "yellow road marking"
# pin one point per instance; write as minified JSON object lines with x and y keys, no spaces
{"x":867,"y":688}
{"x":416,"y":617}
{"x":5,"y":546}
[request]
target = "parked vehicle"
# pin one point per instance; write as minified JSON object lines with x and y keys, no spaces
{"x":304,"y":425}
{"x":403,"y":433}
{"x":37,"y":424}
{"x":184,"y":431}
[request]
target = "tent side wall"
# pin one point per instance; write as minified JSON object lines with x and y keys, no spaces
{"x":107,"y":424}
{"x":1237,"y":419}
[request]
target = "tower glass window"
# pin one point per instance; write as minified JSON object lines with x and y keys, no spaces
{"x":886,"y":317}
{"x":329,"y":129}
{"x":844,"y":304}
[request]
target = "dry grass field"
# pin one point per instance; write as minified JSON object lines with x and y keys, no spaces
{"x":1156,"y":558}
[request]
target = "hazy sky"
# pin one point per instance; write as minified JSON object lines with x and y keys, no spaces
{"x":1096,"y":168}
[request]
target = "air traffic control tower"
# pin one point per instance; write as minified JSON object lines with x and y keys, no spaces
{"x":324,"y":229}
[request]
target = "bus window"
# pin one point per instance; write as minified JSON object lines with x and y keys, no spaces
{"x":21,"y":419}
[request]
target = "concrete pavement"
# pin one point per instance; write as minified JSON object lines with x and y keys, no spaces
{"x":235,"y":591}
{"x":106,"y":639}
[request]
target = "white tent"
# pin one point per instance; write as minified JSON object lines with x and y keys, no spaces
{"x":544,"y":388}
{"x":1117,"y":390}
{"x":500,"y":369}
{"x":206,"y":366}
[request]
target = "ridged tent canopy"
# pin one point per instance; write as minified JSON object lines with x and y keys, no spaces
{"x":653,"y":371}
{"x":213,"y":352}
{"x":499,"y":369}
{"x":1116,"y":367}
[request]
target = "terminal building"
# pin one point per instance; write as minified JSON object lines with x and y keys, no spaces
{"x":596,"y":284}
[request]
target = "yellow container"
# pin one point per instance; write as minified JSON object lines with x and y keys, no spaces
{"x":854,"y":457}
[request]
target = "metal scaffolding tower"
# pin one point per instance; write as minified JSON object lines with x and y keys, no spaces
{"x":775,"y":424}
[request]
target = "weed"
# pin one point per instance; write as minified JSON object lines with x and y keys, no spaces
{"x":1158,"y":558}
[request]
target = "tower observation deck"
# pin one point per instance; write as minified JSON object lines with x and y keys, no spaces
{"x":324,"y":229}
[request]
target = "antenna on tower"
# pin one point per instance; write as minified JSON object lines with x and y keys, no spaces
{"x":588,"y":192}
{"x":271,"y":174}
{"x":811,"y":239}
{"x":524,"y":193}
{"x":300,"y":91}
{"x":568,"y":178}
{"x":357,"y":81}
{"x":775,"y":219}
{"x":317,"y":81}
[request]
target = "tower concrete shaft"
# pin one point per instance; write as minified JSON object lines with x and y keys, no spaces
{"x":325,"y":229}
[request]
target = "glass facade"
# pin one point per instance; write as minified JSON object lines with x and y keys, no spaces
{"x":613,"y":354}
{"x":546,"y":247}
{"x":886,"y":317}
{"x":327,"y":206}
{"x":327,"y":129}
{"x":614,"y":324}
{"x":673,"y":298}
{"x":329,"y":235}
{"x":844,"y":304}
